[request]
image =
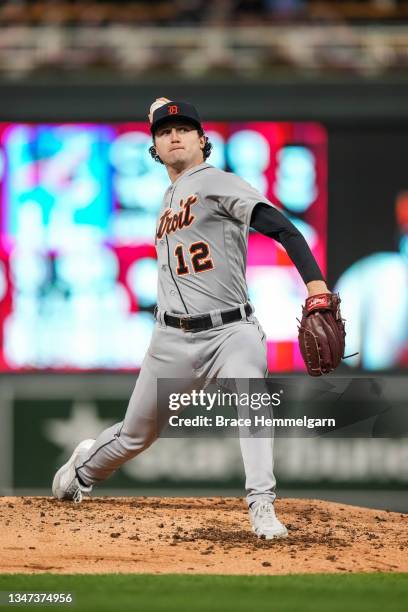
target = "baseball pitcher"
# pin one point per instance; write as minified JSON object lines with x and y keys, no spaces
{"x":205,"y":325}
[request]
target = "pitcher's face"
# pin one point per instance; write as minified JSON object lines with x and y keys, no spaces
{"x":179,"y":144}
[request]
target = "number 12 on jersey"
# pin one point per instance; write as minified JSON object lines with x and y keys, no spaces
{"x":199,"y":255}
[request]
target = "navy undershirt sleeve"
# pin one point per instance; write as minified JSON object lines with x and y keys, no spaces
{"x":269,"y":221}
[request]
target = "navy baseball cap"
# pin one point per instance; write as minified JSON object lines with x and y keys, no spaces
{"x":179,"y":111}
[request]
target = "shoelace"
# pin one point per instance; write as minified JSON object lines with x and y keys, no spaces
{"x":266,"y":510}
{"x":77,"y":497}
{"x":74,"y":491}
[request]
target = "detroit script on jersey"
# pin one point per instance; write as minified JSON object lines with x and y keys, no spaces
{"x":202,"y":240}
{"x":171,"y":221}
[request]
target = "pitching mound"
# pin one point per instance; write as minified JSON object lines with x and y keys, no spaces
{"x":205,"y":535}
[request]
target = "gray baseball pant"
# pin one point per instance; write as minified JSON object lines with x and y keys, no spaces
{"x":235,"y":350}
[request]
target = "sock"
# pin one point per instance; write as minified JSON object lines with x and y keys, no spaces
{"x":81,"y":482}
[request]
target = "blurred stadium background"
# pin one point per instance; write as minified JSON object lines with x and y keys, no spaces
{"x":308,"y":101}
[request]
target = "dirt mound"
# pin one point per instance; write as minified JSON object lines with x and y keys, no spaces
{"x":203,"y":535}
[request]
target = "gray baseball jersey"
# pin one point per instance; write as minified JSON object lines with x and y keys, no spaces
{"x":201,"y":241}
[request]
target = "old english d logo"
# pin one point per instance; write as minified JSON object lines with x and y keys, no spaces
{"x":173,"y":109}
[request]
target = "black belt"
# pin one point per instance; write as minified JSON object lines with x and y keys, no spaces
{"x":203,"y":322}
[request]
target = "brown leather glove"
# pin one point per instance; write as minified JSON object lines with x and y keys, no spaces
{"x":322,"y":333}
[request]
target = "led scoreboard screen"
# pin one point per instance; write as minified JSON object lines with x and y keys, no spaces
{"x":79,"y":203}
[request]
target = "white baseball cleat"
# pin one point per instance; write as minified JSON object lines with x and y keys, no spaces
{"x":264,"y":521}
{"x":66,"y":485}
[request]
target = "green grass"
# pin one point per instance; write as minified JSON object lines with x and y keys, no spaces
{"x":199,"y":593}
